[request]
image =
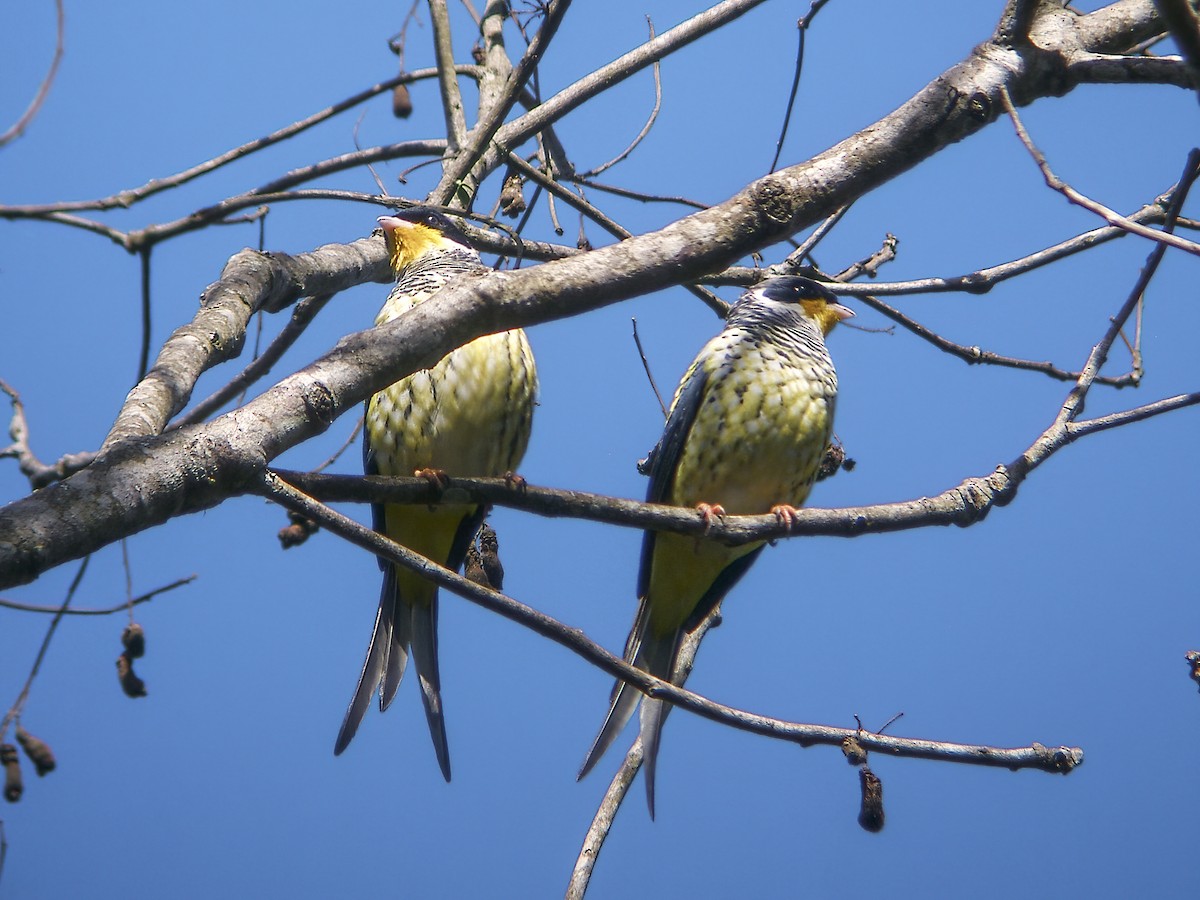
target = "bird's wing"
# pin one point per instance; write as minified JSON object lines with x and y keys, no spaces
{"x":664,"y":457}
{"x":661,"y":469}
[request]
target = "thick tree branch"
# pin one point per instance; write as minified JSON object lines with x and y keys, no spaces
{"x":145,"y":481}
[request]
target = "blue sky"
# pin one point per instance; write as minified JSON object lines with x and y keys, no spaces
{"x":1063,"y":618}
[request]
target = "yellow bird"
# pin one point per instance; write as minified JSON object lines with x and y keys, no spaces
{"x":745,"y":435}
{"x":469,"y":415}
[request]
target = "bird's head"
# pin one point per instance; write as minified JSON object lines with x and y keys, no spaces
{"x":413,"y":232}
{"x":817,"y":301}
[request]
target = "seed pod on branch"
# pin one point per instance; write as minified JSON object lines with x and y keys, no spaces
{"x":870,"y":814}
{"x":38,"y":751}
{"x":133,"y":639}
{"x":13,"y":785}
{"x":402,"y":105}
{"x":130,"y":683}
{"x":512,"y":201}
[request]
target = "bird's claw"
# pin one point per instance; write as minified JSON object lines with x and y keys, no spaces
{"x":709,"y":512}
{"x":436,"y":477}
{"x":785,"y":514}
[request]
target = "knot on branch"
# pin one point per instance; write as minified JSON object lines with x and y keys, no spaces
{"x":319,"y":403}
{"x":977,"y":496}
{"x":772,"y":202}
{"x":1058,"y":759}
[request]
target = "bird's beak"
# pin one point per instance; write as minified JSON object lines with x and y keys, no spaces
{"x":842,"y":312}
{"x":390,"y":225}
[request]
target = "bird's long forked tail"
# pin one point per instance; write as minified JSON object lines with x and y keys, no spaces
{"x":656,"y":656}
{"x":422,"y":638}
{"x":381,"y":658}
{"x":400,"y":629}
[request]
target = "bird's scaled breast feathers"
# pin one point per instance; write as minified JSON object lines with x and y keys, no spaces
{"x":762,"y":425}
{"x":471,"y":413}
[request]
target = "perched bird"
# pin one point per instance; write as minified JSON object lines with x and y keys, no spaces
{"x":468,"y":415}
{"x":745,"y":435}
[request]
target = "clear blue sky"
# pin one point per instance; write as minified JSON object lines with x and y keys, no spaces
{"x":1062,"y":619}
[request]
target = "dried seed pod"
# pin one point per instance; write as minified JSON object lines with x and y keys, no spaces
{"x":298,"y":531}
{"x":130,"y":683}
{"x":835,"y":456}
{"x":512,"y":200}
{"x":870,"y":814}
{"x":402,"y":106}
{"x":37,"y":750}
{"x":473,"y":569}
{"x":133,"y":639}
{"x":489,"y":551}
{"x":13,"y":785}
{"x":1193,"y":660}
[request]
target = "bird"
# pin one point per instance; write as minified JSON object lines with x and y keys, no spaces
{"x":470,"y":415}
{"x":745,"y":434}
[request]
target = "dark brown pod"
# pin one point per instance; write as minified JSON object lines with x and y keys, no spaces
{"x":512,"y":200}
{"x":870,"y":814}
{"x":401,"y":102}
{"x":14,"y":787}
{"x":37,"y":750}
{"x":489,"y":551}
{"x":130,"y":683}
{"x":133,"y":639}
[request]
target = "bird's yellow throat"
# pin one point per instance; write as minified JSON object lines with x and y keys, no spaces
{"x":407,"y":241}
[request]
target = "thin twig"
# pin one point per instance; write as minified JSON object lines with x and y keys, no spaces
{"x":1109,"y":215}
{"x":641,"y":135}
{"x":15,"y":711}
{"x":715,"y":303}
{"x":801,"y":31}
{"x":144,"y":355}
{"x":106,"y":611}
{"x":646,"y":366}
{"x":129,"y":197}
{"x":638,"y":195}
{"x":43,"y":90}
{"x":302,"y":314}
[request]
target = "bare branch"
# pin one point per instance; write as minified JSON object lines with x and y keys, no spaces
{"x":14,"y":711}
{"x":303,"y":314}
{"x":641,"y":135}
{"x":481,"y":136}
{"x":1109,"y":215}
{"x":107,"y":611}
{"x":1057,"y":760}
{"x":1184,"y":25}
{"x":18,"y":127}
{"x":452,"y":103}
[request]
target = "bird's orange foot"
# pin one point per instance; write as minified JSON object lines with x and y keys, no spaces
{"x":785,"y":514}
{"x":513,"y":480}
{"x":436,"y":477}
{"x":709,"y":512}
